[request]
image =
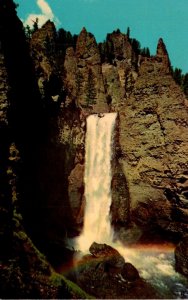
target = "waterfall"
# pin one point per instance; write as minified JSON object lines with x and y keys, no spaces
{"x":154,"y":262}
{"x":97,"y":178}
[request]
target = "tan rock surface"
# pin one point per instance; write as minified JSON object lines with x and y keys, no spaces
{"x":154,"y":133}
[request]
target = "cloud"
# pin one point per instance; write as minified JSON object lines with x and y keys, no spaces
{"x":45,"y":15}
{"x":45,"y":8}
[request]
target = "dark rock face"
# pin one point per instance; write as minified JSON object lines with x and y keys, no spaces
{"x":27,"y":274}
{"x":17,"y":110}
{"x":5,"y":190}
{"x":60,"y":170}
{"x":181,"y":256}
{"x":105,"y":275}
{"x":4,"y":91}
{"x":24,"y":271}
{"x":76,"y":193}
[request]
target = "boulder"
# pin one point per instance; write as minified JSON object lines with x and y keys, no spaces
{"x":104,"y":274}
{"x":109,"y":255}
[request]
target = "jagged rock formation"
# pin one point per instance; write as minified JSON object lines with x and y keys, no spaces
{"x":150,"y":168}
{"x":153,"y":139}
{"x":118,"y":68}
{"x":83,"y":74}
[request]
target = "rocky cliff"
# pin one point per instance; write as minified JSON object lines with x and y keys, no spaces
{"x":153,"y":139}
{"x":152,"y":128}
{"x":47,"y":91}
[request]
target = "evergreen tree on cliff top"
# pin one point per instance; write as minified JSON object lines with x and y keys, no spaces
{"x":90,"y":89}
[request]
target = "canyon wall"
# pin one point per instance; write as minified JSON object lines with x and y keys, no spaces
{"x":46,"y":94}
{"x":149,"y":167}
{"x":153,"y":139}
{"x":149,"y":185}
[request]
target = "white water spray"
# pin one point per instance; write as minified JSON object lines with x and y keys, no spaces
{"x":99,"y":138}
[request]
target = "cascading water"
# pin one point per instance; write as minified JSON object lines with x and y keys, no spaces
{"x":99,"y":139}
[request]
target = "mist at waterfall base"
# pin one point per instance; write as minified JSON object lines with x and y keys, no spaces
{"x":155,"y":263}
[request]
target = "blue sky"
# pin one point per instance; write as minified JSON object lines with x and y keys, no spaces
{"x":148,"y":20}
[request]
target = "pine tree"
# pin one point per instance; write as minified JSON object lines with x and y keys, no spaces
{"x":109,"y":49}
{"x":128,"y":32}
{"x":145,"y":52}
{"x":79,"y":82}
{"x":35,"y":25}
{"x":136,"y":46}
{"x":177,"y":75}
{"x":90,"y":89}
{"x":28,"y":32}
{"x":102,"y":51}
{"x":185,"y":84}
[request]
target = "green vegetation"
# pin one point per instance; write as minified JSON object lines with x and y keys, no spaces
{"x":106,"y":48}
{"x":145,"y":52}
{"x":137,"y":48}
{"x":181,"y":79}
{"x":128,"y":32}
{"x":27,"y":274}
{"x":29,"y":31}
{"x":75,"y":289}
{"x":65,"y":39}
{"x":90,"y":89}
{"x":79,"y":85}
